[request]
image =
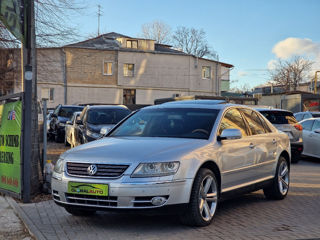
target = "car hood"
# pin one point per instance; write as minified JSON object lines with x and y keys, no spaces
{"x":127,"y":150}
{"x":97,"y":128}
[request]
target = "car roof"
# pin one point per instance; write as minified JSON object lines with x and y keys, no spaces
{"x":107,"y":106}
{"x":192,"y":105}
{"x":317,"y":119}
{"x":272,"y":110}
{"x":72,"y":106}
{"x":203,"y":101}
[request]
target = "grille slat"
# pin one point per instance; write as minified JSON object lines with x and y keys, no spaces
{"x":104,"y":170}
{"x":92,"y":200}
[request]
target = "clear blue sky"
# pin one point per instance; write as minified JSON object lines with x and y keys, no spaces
{"x":242,"y":32}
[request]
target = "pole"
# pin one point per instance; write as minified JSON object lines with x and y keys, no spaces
{"x":27,"y":113}
{"x":44,"y":150}
{"x":315,"y":82}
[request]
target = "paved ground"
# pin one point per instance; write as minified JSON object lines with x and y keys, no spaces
{"x":248,"y":217}
{"x":11,"y":227}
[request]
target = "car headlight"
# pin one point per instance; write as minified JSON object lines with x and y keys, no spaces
{"x":156,"y":169}
{"x":92,"y":134}
{"x":59,"y":166}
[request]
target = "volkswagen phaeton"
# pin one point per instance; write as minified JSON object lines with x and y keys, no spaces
{"x":187,"y":156}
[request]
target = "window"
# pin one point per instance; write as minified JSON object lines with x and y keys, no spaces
{"x":316,"y":125}
{"x":279,"y":117}
{"x":128,"y":70}
{"x":47,"y":93}
{"x":206,"y":73}
{"x":107,"y":68}
{"x":132,"y":44}
{"x":307,"y":125}
{"x":254,"y":122}
{"x":233,"y":119}
{"x":299,"y":117}
{"x":266,"y":127}
{"x":129,"y":96}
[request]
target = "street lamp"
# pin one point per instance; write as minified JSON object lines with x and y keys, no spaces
{"x":315,"y":82}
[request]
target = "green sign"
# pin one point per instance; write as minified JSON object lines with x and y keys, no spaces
{"x":88,"y":189}
{"x":10,"y":131}
{"x":10,"y":16}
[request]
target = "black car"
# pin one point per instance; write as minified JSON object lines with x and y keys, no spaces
{"x":59,"y":117}
{"x":94,"y":118}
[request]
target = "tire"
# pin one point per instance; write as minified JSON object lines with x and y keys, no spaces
{"x":79,"y":212}
{"x":200,"y":199}
{"x":279,"y":187}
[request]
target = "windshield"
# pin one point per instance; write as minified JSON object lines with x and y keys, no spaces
{"x":171,"y":122}
{"x":316,"y":115}
{"x":67,"y":112}
{"x":279,"y":117}
{"x":99,"y":116}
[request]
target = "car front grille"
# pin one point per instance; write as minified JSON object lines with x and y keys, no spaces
{"x":104,"y":170}
{"x":92,"y":200}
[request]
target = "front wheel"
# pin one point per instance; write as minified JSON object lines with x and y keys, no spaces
{"x":280,"y":185}
{"x":203,"y":200}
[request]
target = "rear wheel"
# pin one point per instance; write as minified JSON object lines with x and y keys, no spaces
{"x":79,"y":211}
{"x":203,"y":200}
{"x":280,"y":185}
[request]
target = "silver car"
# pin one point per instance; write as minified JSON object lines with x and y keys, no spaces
{"x":311,"y":137}
{"x":187,"y":155}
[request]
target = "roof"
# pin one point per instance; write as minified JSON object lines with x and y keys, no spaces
{"x":107,"y":106}
{"x":192,"y":105}
{"x":203,"y":102}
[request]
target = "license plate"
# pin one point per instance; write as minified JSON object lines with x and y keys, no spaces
{"x":88,"y":188}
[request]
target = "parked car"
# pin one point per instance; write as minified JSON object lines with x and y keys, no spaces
{"x":94,"y":118}
{"x":285,"y":121}
{"x":305,"y":115}
{"x":70,"y":130}
{"x":311,"y":137}
{"x":187,"y":155}
{"x":59,"y":117}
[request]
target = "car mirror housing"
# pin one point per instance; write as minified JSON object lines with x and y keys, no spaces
{"x":105,"y":130}
{"x":69,"y":122}
{"x":229,"y":134}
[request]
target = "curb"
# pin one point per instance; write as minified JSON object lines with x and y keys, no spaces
{"x":33,"y":230}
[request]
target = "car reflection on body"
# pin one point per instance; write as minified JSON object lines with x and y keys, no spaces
{"x":187,"y":155}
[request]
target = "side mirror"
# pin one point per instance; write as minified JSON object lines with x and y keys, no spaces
{"x":229,"y":134}
{"x":317,"y":130}
{"x":69,"y":123}
{"x":105,"y":130}
{"x":79,"y":122}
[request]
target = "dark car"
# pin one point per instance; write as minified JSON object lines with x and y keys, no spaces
{"x":59,"y":117}
{"x":285,"y":121}
{"x":94,"y":118}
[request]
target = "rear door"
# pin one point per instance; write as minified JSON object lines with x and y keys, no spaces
{"x":236,"y":155}
{"x":307,"y":137}
{"x":265,"y":144}
{"x":315,"y":143}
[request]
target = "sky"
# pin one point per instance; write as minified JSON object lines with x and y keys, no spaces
{"x":249,"y":34}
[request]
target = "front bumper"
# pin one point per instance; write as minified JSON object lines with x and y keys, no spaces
{"x":123,"y":194}
{"x":296,"y":148}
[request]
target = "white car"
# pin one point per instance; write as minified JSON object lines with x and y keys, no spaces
{"x":311,"y":137}
{"x":188,"y":155}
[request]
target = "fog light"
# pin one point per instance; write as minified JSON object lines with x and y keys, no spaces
{"x":157,"y":201}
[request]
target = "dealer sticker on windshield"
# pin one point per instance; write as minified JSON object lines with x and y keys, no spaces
{"x":88,"y":188}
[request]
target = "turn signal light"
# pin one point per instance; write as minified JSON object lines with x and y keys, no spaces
{"x":298,"y":127}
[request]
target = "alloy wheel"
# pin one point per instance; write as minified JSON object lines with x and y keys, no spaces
{"x":283,"y":177}
{"x":208,"y":198}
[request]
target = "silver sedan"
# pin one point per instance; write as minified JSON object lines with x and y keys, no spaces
{"x":189,"y":155}
{"x":311,"y":137}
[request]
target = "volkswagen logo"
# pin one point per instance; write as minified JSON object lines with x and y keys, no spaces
{"x":92,"y":170}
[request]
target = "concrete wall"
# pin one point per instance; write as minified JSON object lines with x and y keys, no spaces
{"x":85,"y":66}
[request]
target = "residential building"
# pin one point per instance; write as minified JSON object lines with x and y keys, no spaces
{"x":117,"y":69}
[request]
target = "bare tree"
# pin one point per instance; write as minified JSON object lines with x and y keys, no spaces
{"x":193,"y":41}
{"x":291,"y":72}
{"x":158,"y":31}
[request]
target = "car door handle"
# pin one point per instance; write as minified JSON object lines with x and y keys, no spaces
{"x":251,"y":145}
{"x":274,"y":141}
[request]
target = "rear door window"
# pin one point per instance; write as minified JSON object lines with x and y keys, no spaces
{"x":316,"y":125}
{"x":307,"y":125}
{"x":254,"y":122}
{"x":279,"y":117}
